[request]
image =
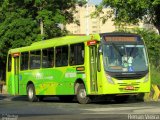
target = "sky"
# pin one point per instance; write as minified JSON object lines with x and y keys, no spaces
{"x":96,"y":2}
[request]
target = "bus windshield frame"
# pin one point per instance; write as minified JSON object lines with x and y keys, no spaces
{"x":125,"y":57}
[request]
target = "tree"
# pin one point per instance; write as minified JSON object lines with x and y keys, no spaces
{"x":152,"y":41}
{"x":20,"y":22}
{"x":133,"y":11}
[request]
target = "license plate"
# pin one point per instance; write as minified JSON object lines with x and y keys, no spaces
{"x":129,"y":88}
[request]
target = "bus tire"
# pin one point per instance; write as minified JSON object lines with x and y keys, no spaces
{"x":31,"y":93}
{"x":82,"y":95}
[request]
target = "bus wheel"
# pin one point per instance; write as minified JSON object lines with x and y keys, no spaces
{"x":31,"y":93}
{"x":82,"y":95}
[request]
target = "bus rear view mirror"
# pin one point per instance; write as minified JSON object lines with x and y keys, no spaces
{"x":98,"y":58}
{"x":100,"y":49}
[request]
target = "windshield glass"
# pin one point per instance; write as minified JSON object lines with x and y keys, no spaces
{"x":125,"y":58}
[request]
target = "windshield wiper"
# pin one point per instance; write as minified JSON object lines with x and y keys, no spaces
{"x":133,"y":49}
{"x":116,"y":48}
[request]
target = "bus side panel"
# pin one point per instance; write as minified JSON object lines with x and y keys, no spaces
{"x":65,"y":77}
{"x":41,"y":79}
{"x":10,"y":83}
{"x":24,"y":78}
{"x":10,"y":79}
{"x":50,"y":81}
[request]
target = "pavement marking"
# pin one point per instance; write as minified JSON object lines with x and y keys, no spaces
{"x":120,"y":110}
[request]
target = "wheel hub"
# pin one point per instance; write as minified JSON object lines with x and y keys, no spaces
{"x":30,"y":93}
{"x":82,"y":93}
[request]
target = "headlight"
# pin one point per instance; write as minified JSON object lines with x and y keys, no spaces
{"x":146,"y":78}
{"x":109,"y":78}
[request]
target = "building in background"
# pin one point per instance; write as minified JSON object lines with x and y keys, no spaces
{"x":94,"y":24}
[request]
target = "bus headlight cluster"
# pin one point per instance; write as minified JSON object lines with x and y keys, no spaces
{"x":109,"y":78}
{"x":146,"y":78}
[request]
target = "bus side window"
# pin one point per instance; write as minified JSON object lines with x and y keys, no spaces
{"x":24,"y":60}
{"x":77,"y":54}
{"x":48,"y":58}
{"x":35,"y":59}
{"x":61,"y":56}
{"x":9,"y":62}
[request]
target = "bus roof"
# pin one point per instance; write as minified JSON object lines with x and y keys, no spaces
{"x":119,"y":34}
{"x":56,"y":42}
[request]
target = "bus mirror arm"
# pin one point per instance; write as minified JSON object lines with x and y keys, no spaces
{"x":98,"y":58}
{"x":100,"y":49}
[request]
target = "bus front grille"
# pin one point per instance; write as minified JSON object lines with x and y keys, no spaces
{"x":134,"y":86}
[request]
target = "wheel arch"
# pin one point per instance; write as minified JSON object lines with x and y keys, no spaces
{"x":28,"y":83}
{"x":31,"y":92}
{"x":77,"y":82}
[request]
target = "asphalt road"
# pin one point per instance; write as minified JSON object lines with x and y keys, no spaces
{"x":18,"y":108}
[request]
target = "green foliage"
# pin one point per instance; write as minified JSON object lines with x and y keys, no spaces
{"x":20,"y":22}
{"x":132,"y":11}
{"x":155,"y":76}
{"x":152,"y":41}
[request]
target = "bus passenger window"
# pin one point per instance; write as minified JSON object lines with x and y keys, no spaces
{"x":9,"y":62}
{"x":61,"y":56}
{"x":24,"y":60}
{"x":35,"y":59}
{"x":48,"y":58}
{"x":77,"y":54}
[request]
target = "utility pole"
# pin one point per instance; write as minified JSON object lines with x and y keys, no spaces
{"x":41,"y":26}
{"x":41,"y":22}
{"x":87,"y":18}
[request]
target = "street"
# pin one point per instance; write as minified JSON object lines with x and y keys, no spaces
{"x":18,"y":107}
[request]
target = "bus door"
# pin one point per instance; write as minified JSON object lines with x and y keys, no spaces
{"x":16,"y":73}
{"x":93,"y":68}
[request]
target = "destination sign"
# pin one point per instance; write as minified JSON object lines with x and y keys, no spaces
{"x":120,"y":39}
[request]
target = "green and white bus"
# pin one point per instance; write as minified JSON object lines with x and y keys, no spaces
{"x":109,"y":64}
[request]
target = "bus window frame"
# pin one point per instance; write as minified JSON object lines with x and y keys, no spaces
{"x":76,"y":62}
{"x":61,"y":65}
{"x":32,"y":68}
{"x":53,"y":58}
{"x":27,"y":61}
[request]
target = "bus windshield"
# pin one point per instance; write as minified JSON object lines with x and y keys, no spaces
{"x":124,"y":58}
